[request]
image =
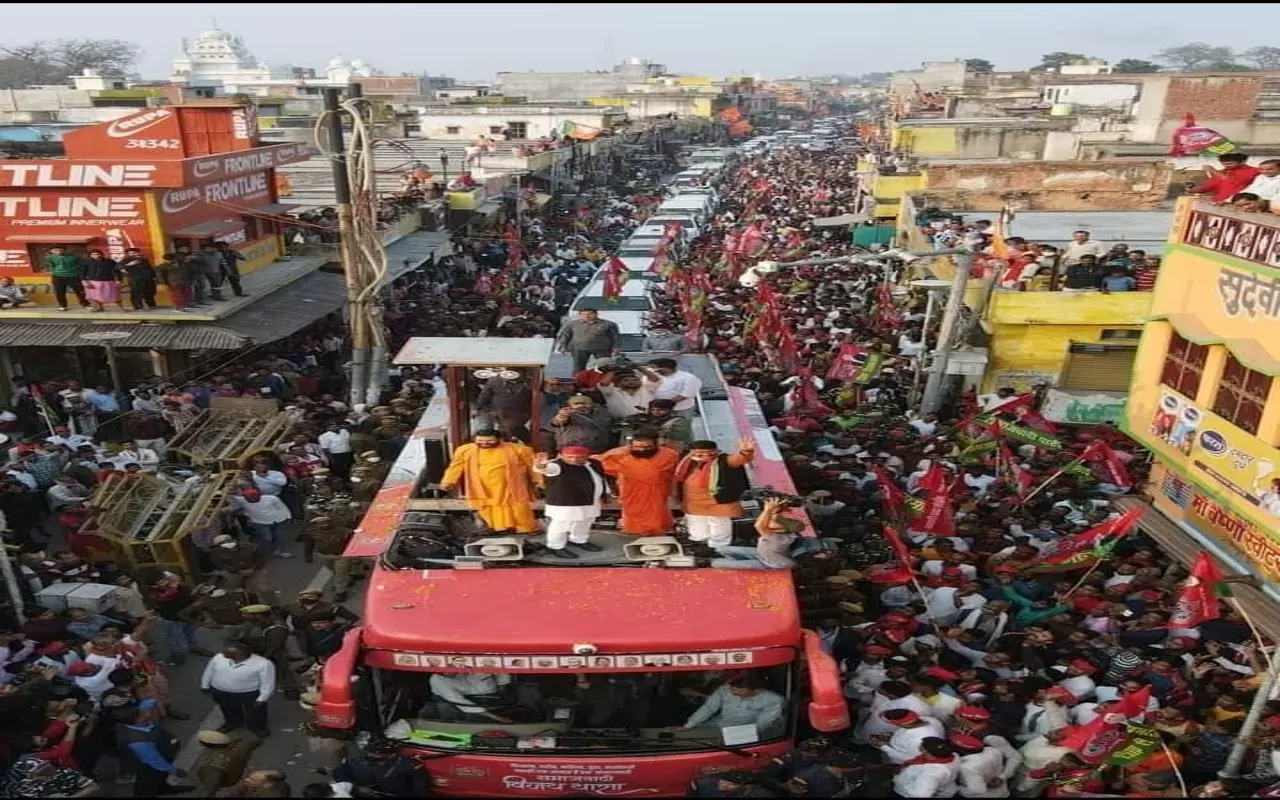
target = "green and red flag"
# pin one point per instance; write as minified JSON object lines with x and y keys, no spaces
{"x":1198,"y":598}
{"x":1082,"y":549}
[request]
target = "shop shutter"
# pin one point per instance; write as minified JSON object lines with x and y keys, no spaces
{"x":1098,"y":368}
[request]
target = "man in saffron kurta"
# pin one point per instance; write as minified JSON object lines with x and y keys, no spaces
{"x":711,"y":483}
{"x":497,"y":481}
{"x":645,"y":475}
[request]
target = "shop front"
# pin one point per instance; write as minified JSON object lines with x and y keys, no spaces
{"x":155,"y":180}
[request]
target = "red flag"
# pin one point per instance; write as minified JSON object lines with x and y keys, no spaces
{"x":615,"y":276}
{"x":1107,"y":462}
{"x":1011,"y":404}
{"x":752,"y":242}
{"x":1131,"y":706}
{"x":1016,"y":478}
{"x":1192,"y":139}
{"x":1092,"y":743}
{"x":1071,"y":547}
{"x":937,"y":517}
{"x":894,"y":497}
{"x":1198,"y":598}
{"x":788,"y":351}
{"x":934,"y":478}
{"x":1035,"y":420}
{"x":899,"y":547}
{"x":845,"y":366}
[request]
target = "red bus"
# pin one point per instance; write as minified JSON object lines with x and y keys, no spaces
{"x":600,"y":660}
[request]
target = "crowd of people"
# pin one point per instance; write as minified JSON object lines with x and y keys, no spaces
{"x":1001,"y":628}
{"x":1083,"y":264}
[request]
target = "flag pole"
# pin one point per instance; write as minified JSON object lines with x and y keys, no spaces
{"x":1241,"y":747}
{"x":1083,"y":578}
{"x":1257,"y":634}
{"x":1048,"y":481}
{"x":1173,"y":764}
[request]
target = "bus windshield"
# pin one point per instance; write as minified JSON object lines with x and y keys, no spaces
{"x":613,"y":711}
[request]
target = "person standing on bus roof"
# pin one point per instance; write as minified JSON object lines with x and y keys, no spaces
{"x":645,"y":473}
{"x":586,"y":337}
{"x":710,"y":484}
{"x":575,"y":484}
{"x":497,"y":481}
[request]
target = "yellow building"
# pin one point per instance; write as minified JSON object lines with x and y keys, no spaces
{"x":1204,"y":398}
{"x":1083,"y":344}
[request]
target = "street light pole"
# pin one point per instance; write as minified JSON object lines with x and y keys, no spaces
{"x":932,"y":399}
{"x":444,"y":168}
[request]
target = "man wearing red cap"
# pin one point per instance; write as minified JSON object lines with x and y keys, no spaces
{"x":984,"y":770}
{"x":1079,"y":681}
{"x":912,"y":729}
{"x":890,"y":695}
{"x":868,"y":674}
{"x":1047,"y":711}
{"x":574,"y":484}
{"x":933,"y":772}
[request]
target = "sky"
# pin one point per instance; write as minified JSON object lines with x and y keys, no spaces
{"x":773,"y":40}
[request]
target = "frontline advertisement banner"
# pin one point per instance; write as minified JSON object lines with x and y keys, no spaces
{"x":213,"y":200}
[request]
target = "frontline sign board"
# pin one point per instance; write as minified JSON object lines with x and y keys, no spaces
{"x":244,"y":187}
{"x":246,"y":161}
{"x":70,"y":211}
{"x":68,"y":174}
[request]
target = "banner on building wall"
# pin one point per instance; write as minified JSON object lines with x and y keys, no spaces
{"x":1237,"y":465}
{"x":1184,"y":501}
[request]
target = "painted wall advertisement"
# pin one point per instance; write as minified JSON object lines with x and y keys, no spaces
{"x":1222,"y":456}
{"x":1081,"y":408}
{"x":1181,"y":499}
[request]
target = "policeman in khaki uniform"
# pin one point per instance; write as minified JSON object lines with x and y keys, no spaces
{"x":222,"y":761}
{"x":266,"y":634}
{"x":218,"y":608}
{"x":326,"y":540}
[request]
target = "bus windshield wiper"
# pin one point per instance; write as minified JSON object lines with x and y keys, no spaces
{"x":737,"y":751}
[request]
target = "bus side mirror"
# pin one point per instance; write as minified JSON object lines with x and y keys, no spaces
{"x":828,"y":711}
{"x":337,"y":706}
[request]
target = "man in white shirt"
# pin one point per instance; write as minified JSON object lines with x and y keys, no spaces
{"x":629,"y":393}
{"x":678,"y":386}
{"x":455,"y":693}
{"x":1267,"y":184}
{"x":268,"y":481}
{"x":131,"y":453}
{"x":266,"y":515}
{"x":984,"y":770}
{"x":241,"y":684}
{"x":890,"y":695}
{"x":66,"y":491}
{"x":933,"y":774}
{"x":912,"y":729}
{"x":336,"y":443}
{"x":1082,"y":245}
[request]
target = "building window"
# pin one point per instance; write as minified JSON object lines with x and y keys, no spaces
{"x":495,"y":130}
{"x":518,"y":130}
{"x":1184,"y":366}
{"x":1241,"y":395}
{"x":453,"y":130}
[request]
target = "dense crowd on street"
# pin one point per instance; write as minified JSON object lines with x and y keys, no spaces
{"x":1001,"y":627}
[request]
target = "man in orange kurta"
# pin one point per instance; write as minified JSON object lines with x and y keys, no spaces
{"x":497,"y":481}
{"x":711,"y":484}
{"x":645,"y":472}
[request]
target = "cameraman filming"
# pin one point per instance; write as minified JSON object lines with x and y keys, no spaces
{"x":773,"y":548}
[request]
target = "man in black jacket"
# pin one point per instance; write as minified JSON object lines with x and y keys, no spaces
{"x":229,"y":260}
{"x":142,"y":279}
{"x":574,"y":484}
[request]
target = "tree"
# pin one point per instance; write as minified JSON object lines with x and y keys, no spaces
{"x":979,"y":65}
{"x":1053,"y":61}
{"x":1262,"y":57}
{"x":54,"y":61}
{"x":1134,"y":65}
{"x":1195,"y":56}
{"x":1227,"y":66}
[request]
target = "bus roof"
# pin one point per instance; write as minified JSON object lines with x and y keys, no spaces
{"x":531,"y":610}
{"x":475,"y":352}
